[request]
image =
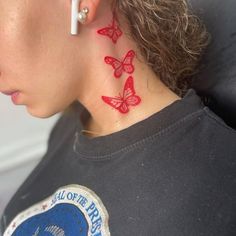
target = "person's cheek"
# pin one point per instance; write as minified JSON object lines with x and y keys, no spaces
{"x":11,"y":47}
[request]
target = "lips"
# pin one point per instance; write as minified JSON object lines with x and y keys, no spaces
{"x":9,"y":92}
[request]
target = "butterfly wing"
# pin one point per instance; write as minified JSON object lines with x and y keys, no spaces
{"x":129,"y":96}
{"x":124,"y":108}
{"x":116,"y":103}
{"x":118,"y":72}
{"x":116,"y":64}
{"x":128,"y":88}
{"x":117,"y":31}
{"x":107,"y":31}
{"x":133,"y":100}
{"x":128,"y":62}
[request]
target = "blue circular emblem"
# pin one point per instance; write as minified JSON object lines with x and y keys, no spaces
{"x":62,"y":220}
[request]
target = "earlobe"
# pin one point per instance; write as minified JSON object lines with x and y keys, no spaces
{"x":92,"y":5}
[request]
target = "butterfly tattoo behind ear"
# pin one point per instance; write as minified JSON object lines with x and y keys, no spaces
{"x":122,"y":66}
{"x":128,"y":98}
{"x":112,"y":31}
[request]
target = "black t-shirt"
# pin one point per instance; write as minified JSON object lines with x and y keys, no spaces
{"x":172,"y":174}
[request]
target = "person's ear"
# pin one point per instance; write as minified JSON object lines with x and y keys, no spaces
{"x":92,"y":5}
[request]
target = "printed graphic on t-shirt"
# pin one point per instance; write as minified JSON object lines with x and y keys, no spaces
{"x":73,"y":210}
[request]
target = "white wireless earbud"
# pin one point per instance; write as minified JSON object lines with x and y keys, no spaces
{"x":77,"y":15}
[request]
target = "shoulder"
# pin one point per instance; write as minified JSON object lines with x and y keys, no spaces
{"x":217,"y":134}
{"x":206,"y":128}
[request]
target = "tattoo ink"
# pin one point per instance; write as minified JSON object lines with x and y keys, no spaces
{"x":112,"y":31}
{"x":122,"y":66}
{"x":128,"y":98}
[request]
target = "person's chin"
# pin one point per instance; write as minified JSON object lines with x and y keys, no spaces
{"x":41,"y":113}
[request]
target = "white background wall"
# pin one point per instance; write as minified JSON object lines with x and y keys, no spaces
{"x":23,"y":142}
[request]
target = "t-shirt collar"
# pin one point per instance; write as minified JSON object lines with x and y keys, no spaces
{"x":105,"y":146}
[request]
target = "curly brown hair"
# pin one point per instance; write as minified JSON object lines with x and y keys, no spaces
{"x":169,"y":36}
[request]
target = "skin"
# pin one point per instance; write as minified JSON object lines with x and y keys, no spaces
{"x":51,"y":68}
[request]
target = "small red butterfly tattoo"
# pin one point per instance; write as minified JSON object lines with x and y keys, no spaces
{"x":122,"y":66}
{"x":122,"y":102}
{"x":112,"y":31}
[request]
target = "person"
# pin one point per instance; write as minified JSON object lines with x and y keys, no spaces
{"x":136,"y":152}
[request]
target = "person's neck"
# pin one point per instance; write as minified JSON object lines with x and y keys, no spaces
{"x":101,"y":81}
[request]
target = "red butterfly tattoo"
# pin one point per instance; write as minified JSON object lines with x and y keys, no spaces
{"x":113,"y":31}
{"x":122,"y":103}
{"x":122,"y":66}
